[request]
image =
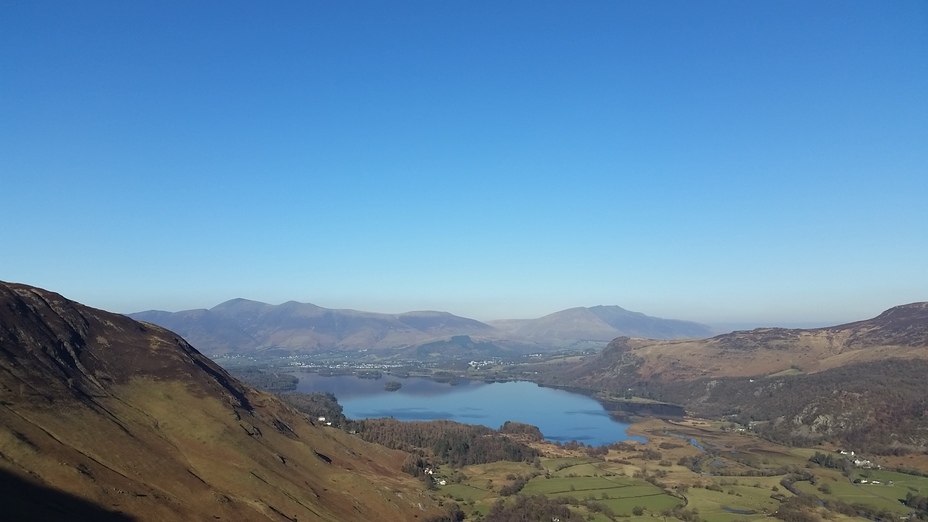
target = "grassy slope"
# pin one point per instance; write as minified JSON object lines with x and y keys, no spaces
{"x":162,"y":451}
{"x":130,"y":417}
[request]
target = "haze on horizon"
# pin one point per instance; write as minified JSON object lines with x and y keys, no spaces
{"x":722,"y":162}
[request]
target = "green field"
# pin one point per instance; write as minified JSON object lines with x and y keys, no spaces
{"x":724,"y":505}
{"x":913,"y":483}
{"x":582,"y":478}
{"x":552,"y":465}
{"x":785,"y":373}
{"x":653,"y":504}
{"x":465,"y":492}
{"x":621,"y":494}
{"x":616,"y":483}
{"x":555,"y":485}
{"x":885,"y":495}
{"x":580,"y":470}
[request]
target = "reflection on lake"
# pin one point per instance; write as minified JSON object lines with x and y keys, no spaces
{"x":561,"y":416}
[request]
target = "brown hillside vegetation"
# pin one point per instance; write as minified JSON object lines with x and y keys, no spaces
{"x":103,"y":417}
{"x":860,"y":383}
{"x":901,"y":333}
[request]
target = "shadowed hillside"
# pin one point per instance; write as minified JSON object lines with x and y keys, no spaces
{"x":105,"y":415}
{"x":27,"y":501}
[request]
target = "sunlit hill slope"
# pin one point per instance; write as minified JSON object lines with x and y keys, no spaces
{"x":900,"y":332}
{"x":862,"y":382}
{"x":102,"y":417}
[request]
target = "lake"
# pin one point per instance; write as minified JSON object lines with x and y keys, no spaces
{"x":562,"y":416}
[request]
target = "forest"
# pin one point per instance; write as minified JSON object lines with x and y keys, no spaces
{"x":315,"y":405}
{"x":442,"y":441}
{"x":877,"y":407}
{"x":265,"y":380}
{"x":446,"y":441}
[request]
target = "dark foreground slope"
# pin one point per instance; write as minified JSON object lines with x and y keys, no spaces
{"x":861,"y":383}
{"x":105,"y":418}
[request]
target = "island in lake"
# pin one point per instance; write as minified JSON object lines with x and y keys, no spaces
{"x":392,"y":385}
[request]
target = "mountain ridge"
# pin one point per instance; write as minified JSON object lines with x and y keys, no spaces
{"x":245,"y":326}
{"x":602,"y":323}
{"x":859,"y":382}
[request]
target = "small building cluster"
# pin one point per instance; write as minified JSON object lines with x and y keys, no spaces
{"x":440,"y":481}
{"x":859,"y":462}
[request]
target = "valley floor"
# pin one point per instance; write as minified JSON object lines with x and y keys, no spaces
{"x":689,"y":469}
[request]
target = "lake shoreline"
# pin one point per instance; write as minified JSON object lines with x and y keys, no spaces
{"x":561,"y":415}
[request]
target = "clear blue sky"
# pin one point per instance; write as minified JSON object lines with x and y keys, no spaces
{"x":727,"y":161}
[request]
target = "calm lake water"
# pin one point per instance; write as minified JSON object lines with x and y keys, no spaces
{"x":561,"y":416}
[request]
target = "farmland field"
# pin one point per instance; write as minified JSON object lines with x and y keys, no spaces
{"x":734,"y":502}
{"x":726,"y":476}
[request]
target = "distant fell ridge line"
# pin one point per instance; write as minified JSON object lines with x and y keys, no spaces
{"x":245,"y":326}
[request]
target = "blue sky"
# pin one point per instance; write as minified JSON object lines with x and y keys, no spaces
{"x":757,"y":162}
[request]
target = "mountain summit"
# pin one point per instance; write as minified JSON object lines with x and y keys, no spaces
{"x":601,"y":323}
{"x":105,"y":418}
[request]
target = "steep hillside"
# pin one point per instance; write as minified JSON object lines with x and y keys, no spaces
{"x":850,"y":382}
{"x":877,"y":406}
{"x":102,"y":417}
{"x":901,"y":332}
{"x":242,"y":326}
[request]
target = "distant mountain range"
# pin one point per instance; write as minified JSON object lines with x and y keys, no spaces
{"x":600,"y":323}
{"x":243,"y":326}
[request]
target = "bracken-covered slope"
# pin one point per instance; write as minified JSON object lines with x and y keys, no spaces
{"x":859,"y":383}
{"x":105,"y":418}
{"x":900,"y":332}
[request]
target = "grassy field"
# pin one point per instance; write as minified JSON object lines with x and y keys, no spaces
{"x":583,"y":478}
{"x":602,"y":481}
{"x":736,"y":502}
{"x":786,"y":372}
{"x":885,"y":495}
{"x":737,"y":477}
{"x":917,"y":485}
{"x":877,"y":496}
